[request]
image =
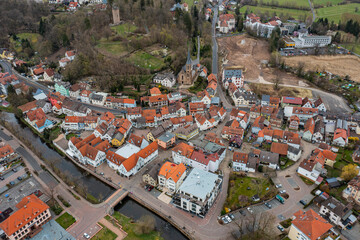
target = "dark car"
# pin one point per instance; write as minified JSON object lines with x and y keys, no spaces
{"x":12,"y":183}
{"x":150,"y":188}
{"x":303,"y":202}
{"x":14,"y":170}
{"x":242,"y":213}
{"x":268,"y":205}
{"x":19,"y":178}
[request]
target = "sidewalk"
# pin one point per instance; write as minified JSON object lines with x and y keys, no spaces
{"x":121,"y":234}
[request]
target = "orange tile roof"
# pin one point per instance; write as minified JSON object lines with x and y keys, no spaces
{"x":158,"y":98}
{"x":311,"y":224}
{"x":211,"y":78}
{"x":172,"y":170}
{"x":212,"y":85}
{"x":184,"y":149}
{"x":340,"y":133}
{"x":29,"y":208}
{"x":38,"y":71}
{"x":6,"y":151}
{"x":155,"y":91}
{"x":28,"y":106}
{"x":309,"y":125}
{"x":107,"y":117}
{"x":240,"y":157}
{"x":136,"y":140}
{"x":280,"y":148}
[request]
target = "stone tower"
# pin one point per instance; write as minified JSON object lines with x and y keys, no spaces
{"x":116,"y":15}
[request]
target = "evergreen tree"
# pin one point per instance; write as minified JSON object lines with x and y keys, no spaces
{"x":42,"y":27}
{"x":187,"y":22}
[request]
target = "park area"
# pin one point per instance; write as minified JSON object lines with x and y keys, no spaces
{"x":338,"y":65}
{"x":288,"y":3}
{"x":283,"y":13}
{"x":66,"y":220}
{"x":242,"y":189}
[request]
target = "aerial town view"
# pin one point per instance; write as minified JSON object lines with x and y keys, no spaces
{"x":180,"y":119}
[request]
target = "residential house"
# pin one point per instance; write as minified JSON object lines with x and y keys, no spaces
{"x":130,"y":159}
{"x":155,"y":91}
{"x":28,"y":106}
{"x":73,"y":108}
{"x":305,"y":113}
{"x":279,"y":148}
{"x":241,"y":162}
{"x":158,"y":101}
{"x":340,"y":137}
{"x":308,"y":226}
{"x":311,"y":169}
{"x":70,"y":55}
{"x":166,"y":140}
{"x":39,"y":95}
{"x":187,"y":132}
{"x":356,"y":155}
{"x":319,"y":130}
{"x":178,"y":122}
{"x":294,"y":122}
{"x":133,"y":113}
{"x":338,"y":213}
{"x":244,"y":98}
{"x":27,"y":220}
{"x":180,"y":109}
{"x":63,"y":62}
{"x":309,"y":129}
{"x":166,"y":79}
{"x":259,"y":124}
{"x":293,"y":153}
{"x":174,"y":97}
{"x":38,"y":120}
{"x":198,"y":192}
{"x":171,"y":176}
{"x":6,"y":80}
{"x":234,"y":76}
{"x":76,"y":89}
{"x":76,"y":123}
{"x":6,"y":152}
{"x":352,"y":191}
{"x":49,"y":74}
{"x":265,"y":100}
{"x":150,"y":176}
{"x":138,"y":141}
{"x":44,"y":105}
{"x":85,"y":96}
{"x":226,"y":23}
{"x":98,"y":98}
{"x":291,"y":101}
{"x":320,"y":105}
{"x":212,"y":87}
{"x":269,"y":159}
{"x":196,"y":108}
{"x":89,"y":151}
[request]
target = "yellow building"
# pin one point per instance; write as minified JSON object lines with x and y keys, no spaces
{"x":118,"y":139}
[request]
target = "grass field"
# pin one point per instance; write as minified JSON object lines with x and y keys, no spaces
{"x":129,"y":227}
{"x":352,"y":47}
{"x":300,"y":3}
{"x":336,"y":13}
{"x":325,"y":2}
{"x":65,"y":220}
{"x":114,"y":48}
{"x":242,"y":189}
{"x":31,"y":37}
{"x":146,"y":60}
{"x":124,"y":29}
{"x":261,"y":89}
{"x":104,"y":233}
{"x":277,"y":11}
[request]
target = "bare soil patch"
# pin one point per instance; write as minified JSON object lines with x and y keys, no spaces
{"x":339,"y":65}
{"x":268,"y":89}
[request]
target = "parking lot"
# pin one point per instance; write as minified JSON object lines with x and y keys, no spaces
{"x":14,"y":195}
{"x":11,"y":176}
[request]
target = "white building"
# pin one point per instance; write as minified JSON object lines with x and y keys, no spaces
{"x":198,"y":192}
{"x":304,"y":40}
{"x":165,"y":79}
{"x":233,"y":76}
{"x":226,"y":23}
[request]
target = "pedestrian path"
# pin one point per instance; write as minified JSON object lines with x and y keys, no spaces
{"x":121,"y":234}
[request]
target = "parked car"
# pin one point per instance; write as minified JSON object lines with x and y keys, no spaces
{"x":19,"y":178}
{"x":146,"y":187}
{"x":303,"y":202}
{"x":242,"y":212}
{"x":268,"y":205}
{"x":2,"y":178}
{"x":281,"y":228}
{"x":86,"y":236}
{"x":150,"y":188}
{"x":14,"y":170}
{"x":231,"y":216}
{"x":224,"y":219}
{"x":282,"y":191}
{"x":229,"y":219}
{"x":12,"y":183}
{"x":278,"y":185}
{"x":250,"y":210}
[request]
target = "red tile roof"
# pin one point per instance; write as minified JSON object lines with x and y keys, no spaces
{"x":172,"y":170}
{"x":240,"y":157}
{"x":280,"y":148}
{"x":311,"y":224}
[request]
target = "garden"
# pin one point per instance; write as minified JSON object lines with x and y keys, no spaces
{"x":66,"y":220}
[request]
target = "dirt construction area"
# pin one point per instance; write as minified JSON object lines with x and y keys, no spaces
{"x":249,"y":53}
{"x":339,"y":65}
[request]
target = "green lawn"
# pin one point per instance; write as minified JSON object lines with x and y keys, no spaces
{"x":104,"y":233}
{"x":238,"y":186}
{"x":199,"y":85}
{"x":337,"y":193}
{"x":114,"y":48}
{"x":287,"y":164}
{"x":124,"y":29}
{"x":299,"y":3}
{"x":337,"y":13}
{"x":352,"y":47}
{"x":65,"y":220}
{"x":332,"y":172}
{"x":325,"y":2}
{"x":128,"y":226}
{"x":32,"y":37}
{"x":145,"y":60}
{"x":280,"y":12}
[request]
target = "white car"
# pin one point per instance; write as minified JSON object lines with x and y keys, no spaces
{"x":282,"y":191}
{"x":224,"y":219}
{"x":229,"y":219}
{"x":250,"y":210}
{"x":278,"y":185}
{"x":86,"y":236}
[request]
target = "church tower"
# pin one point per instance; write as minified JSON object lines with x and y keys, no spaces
{"x":188,"y":67}
{"x":116,"y":15}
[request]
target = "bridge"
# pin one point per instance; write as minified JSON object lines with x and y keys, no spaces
{"x":115,"y":199}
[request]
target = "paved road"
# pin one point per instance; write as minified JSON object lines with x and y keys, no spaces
{"x":7,"y":68}
{"x":313,"y":11}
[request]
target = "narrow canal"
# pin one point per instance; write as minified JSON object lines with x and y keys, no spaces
{"x":94,"y":186}
{"x":132,"y":209}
